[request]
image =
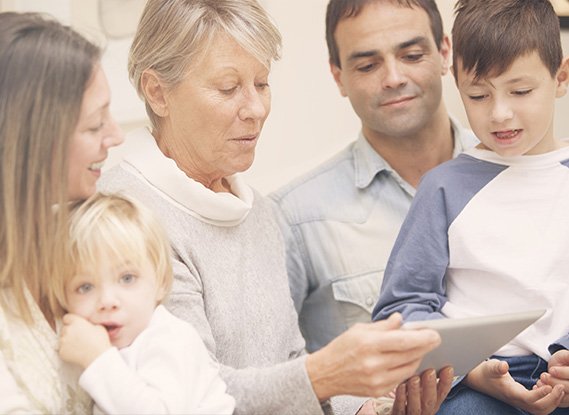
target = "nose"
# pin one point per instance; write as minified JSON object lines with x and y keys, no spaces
{"x":256,"y":104}
{"x":393,"y":76}
{"x":501,"y":111}
{"x":108,"y":300}
{"x":113,"y":134}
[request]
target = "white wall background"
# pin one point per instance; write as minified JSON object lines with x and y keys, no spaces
{"x":309,"y":121}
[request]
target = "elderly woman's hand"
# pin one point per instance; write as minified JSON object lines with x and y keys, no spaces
{"x":369,"y":359}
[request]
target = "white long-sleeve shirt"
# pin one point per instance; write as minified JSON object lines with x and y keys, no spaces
{"x":167,"y":369}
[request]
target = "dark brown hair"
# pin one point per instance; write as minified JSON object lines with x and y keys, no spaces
{"x":488,"y":35}
{"x":343,"y":9}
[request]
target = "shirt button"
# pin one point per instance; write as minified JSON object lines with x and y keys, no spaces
{"x":369,"y":301}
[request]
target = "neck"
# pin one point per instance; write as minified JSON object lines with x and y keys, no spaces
{"x":412,"y":156}
{"x":213,"y":182}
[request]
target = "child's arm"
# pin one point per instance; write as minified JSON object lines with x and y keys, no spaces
{"x":492,"y":378}
{"x":413,"y":284}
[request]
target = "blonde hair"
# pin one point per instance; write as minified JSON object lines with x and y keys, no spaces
{"x":46,"y":68}
{"x":171,"y":34}
{"x":113,"y":226}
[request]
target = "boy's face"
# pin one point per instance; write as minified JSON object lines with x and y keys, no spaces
{"x":117,"y":295}
{"x":391,"y":69}
{"x":512,"y":113}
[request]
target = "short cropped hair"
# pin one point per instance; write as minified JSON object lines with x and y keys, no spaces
{"x":489,"y":35}
{"x":338,"y":10}
{"x":173,"y":33}
{"x":113,"y":226}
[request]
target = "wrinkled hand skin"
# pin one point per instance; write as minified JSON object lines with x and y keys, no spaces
{"x":369,"y":359}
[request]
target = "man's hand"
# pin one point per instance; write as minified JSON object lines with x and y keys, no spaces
{"x":423,"y":394}
{"x":369,"y":359}
{"x":557,"y":374}
{"x":492,"y":378}
{"x":81,"y":342}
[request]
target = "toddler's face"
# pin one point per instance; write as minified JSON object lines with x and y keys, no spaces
{"x":118,"y":295}
{"x":512,"y":113}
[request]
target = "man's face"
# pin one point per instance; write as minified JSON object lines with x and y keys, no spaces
{"x":391,"y":68}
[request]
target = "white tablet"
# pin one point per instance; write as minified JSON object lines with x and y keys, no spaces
{"x":468,"y":341}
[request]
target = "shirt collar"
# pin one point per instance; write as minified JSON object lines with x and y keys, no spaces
{"x":368,"y":163}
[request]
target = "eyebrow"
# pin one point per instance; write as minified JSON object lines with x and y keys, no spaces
{"x":418,"y":40}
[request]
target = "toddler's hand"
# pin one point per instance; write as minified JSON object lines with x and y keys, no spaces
{"x":81,"y":342}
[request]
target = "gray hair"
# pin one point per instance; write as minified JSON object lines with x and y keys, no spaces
{"x":173,"y":33}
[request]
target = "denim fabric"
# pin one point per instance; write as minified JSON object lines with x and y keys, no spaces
{"x":339,"y":222}
{"x":465,"y":401}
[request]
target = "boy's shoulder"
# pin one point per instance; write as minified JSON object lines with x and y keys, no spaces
{"x":465,"y":168}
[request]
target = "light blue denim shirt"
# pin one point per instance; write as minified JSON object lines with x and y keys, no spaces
{"x":339,"y":223}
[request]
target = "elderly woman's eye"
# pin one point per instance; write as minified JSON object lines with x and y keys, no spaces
{"x":228,"y":91}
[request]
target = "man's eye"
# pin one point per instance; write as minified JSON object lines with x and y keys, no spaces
{"x":414,"y":57}
{"x":366,"y":68}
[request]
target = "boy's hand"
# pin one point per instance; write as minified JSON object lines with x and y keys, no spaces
{"x":492,"y":378}
{"x":558,"y":374}
{"x":81,"y":342}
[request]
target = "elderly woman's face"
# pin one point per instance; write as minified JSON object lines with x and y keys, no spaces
{"x":215,"y":115}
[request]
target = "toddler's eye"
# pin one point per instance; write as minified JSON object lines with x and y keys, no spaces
{"x":84,"y":288}
{"x":128,"y":278}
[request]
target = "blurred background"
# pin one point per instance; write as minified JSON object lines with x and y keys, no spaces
{"x":309,"y":120}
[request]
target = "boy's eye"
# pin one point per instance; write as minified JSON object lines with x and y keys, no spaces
{"x":522,"y":92}
{"x":477,"y":97}
{"x":84,"y":288}
{"x":127,"y":279}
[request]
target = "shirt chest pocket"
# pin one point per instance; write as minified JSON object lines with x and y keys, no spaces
{"x":356,"y":296}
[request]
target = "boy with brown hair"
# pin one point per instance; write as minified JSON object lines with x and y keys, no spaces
{"x":488,"y":232}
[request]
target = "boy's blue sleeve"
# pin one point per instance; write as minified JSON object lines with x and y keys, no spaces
{"x":413,"y":283}
{"x":560,"y":344}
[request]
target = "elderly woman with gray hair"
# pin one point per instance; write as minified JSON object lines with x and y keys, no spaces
{"x":202,"y":68}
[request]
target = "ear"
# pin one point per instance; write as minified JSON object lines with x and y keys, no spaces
{"x":337,"y":74}
{"x":562,"y":78}
{"x":154,"y":92}
{"x":446,"y":51}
